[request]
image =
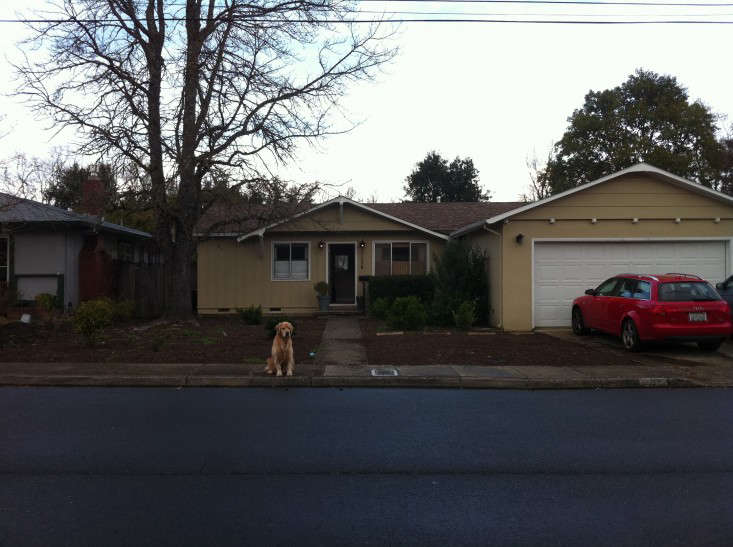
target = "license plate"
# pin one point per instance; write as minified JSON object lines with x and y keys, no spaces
{"x":696,"y":317}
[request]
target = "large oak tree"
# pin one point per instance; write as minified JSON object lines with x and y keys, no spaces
{"x":649,"y":118}
{"x":182,"y":88}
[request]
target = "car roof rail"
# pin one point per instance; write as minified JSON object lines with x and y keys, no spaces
{"x":684,"y":274}
{"x":641,"y":275}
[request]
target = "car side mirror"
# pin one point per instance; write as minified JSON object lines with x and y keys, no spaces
{"x":720,"y":286}
{"x":590,"y":292}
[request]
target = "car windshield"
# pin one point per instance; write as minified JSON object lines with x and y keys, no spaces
{"x":687,"y":291}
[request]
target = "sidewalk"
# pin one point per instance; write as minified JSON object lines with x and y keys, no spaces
{"x":452,"y":376}
{"x":342,"y":362}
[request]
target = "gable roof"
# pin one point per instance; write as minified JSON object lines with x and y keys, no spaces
{"x":638,"y":168}
{"x":235,"y":218}
{"x":14,"y":209}
{"x":342,"y":200}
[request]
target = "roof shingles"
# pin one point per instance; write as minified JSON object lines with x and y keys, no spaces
{"x":20,"y":210}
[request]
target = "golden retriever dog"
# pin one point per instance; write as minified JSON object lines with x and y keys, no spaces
{"x":282,"y":351}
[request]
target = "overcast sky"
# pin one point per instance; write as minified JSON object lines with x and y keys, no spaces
{"x":496,"y":93}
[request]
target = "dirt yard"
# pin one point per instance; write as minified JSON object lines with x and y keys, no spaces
{"x":210,"y":340}
{"x":450,"y":347}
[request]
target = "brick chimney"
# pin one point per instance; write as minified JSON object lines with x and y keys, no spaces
{"x":92,"y":194}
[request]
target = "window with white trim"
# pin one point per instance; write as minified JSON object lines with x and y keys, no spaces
{"x":4,"y":259}
{"x":290,"y":261}
{"x":400,"y":258}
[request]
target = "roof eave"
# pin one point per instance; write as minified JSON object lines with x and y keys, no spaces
{"x":638,"y":168}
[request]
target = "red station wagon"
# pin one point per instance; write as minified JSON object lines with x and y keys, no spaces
{"x":639,"y":307}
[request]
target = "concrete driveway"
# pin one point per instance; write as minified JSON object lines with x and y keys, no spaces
{"x":653,"y":351}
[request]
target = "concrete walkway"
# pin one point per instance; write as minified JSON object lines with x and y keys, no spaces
{"x":341,"y":344}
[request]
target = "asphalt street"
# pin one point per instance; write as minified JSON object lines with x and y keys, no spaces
{"x":148,"y":466}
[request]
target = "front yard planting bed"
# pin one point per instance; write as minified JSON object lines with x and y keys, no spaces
{"x":499,"y":349}
{"x":207,"y":340}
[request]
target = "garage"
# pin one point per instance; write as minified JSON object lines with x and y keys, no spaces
{"x":563,"y":270}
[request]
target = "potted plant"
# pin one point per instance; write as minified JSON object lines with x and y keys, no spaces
{"x":324,"y":299}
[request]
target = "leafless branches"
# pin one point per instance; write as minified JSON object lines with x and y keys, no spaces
{"x":187,"y":89}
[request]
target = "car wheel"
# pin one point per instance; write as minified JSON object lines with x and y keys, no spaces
{"x":711,"y":346}
{"x":630,"y":336}
{"x":578,"y":323}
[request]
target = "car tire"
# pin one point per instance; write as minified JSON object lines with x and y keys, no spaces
{"x":579,"y":327}
{"x":710,"y":346}
{"x":630,"y":336}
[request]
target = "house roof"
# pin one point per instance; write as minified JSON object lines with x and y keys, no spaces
{"x":436,"y":219}
{"x":638,"y":168}
{"x":14,"y":209}
{"x":446,"y":217}
{"x":228,"y":219}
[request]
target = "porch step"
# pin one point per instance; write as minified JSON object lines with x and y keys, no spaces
{"x":340,"y":310}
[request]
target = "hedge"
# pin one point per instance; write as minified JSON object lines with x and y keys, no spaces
{"x":391,"y":287}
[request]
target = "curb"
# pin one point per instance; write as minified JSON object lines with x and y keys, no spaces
{"x":352,"y":381}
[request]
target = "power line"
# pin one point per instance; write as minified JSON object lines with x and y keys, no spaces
{"x":412,"y":20}
{"x":542,"y":14}
{"x":565,"y":2}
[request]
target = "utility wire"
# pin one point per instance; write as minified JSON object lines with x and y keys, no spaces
{"x":415,"y":20}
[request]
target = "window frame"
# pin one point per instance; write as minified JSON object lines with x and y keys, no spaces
{"x":409,"y":243}
{"x":272,"y":259}
{"x":7,"y":258}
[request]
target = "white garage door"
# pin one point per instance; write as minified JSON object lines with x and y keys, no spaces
{"x":563,"y":271}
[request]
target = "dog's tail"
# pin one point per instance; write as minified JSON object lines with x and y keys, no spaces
{"x":270,"y":366}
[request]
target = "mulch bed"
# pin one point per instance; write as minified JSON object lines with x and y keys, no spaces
{"x":460,"y":348}
{"x":209,"y":340}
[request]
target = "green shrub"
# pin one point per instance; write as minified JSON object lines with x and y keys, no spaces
{"x":123,"y":310}
{"x":391,"y":287}
{"x":321,"y":288}
{"x":272,"y":321}
{"x":46,"y":302}
{"x":91,"y":317}
{"x":465,"y":316}
{"x":406,"y":313}
{"x":380,"y":307}
{"x":460,"y":275}
{"x":251,"y":315}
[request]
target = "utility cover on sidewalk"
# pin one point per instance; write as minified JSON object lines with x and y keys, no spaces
{"x":384,"y":371}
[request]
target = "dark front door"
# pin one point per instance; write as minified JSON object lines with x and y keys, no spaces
{"x":341,"y":272}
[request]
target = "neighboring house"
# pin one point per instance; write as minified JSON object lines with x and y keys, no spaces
{"x":45,"y":249}
{"x":540,"y":255}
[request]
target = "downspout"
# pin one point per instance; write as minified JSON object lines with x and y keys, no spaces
{"x":500,"y":311}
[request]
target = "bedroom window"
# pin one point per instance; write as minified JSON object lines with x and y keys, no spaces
{"x":400,"y":258}
{"x":4,"y":259}
{"x":290,"y":261}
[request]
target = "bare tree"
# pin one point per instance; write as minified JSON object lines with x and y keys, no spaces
{"x":539,"y":186}
{"x":181,"y":88}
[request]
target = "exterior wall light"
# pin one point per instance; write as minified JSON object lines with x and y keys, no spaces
{"x":519,"y":238}
{"x":716,"y":220}
{"x":362,"y":244}
{"x":321,"y":244}
{"x":593,"y":220}
{"x":677,"y":220}
{"x":635,"y":220}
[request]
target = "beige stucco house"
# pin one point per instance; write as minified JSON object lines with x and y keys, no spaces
{"x":540,"y":255}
